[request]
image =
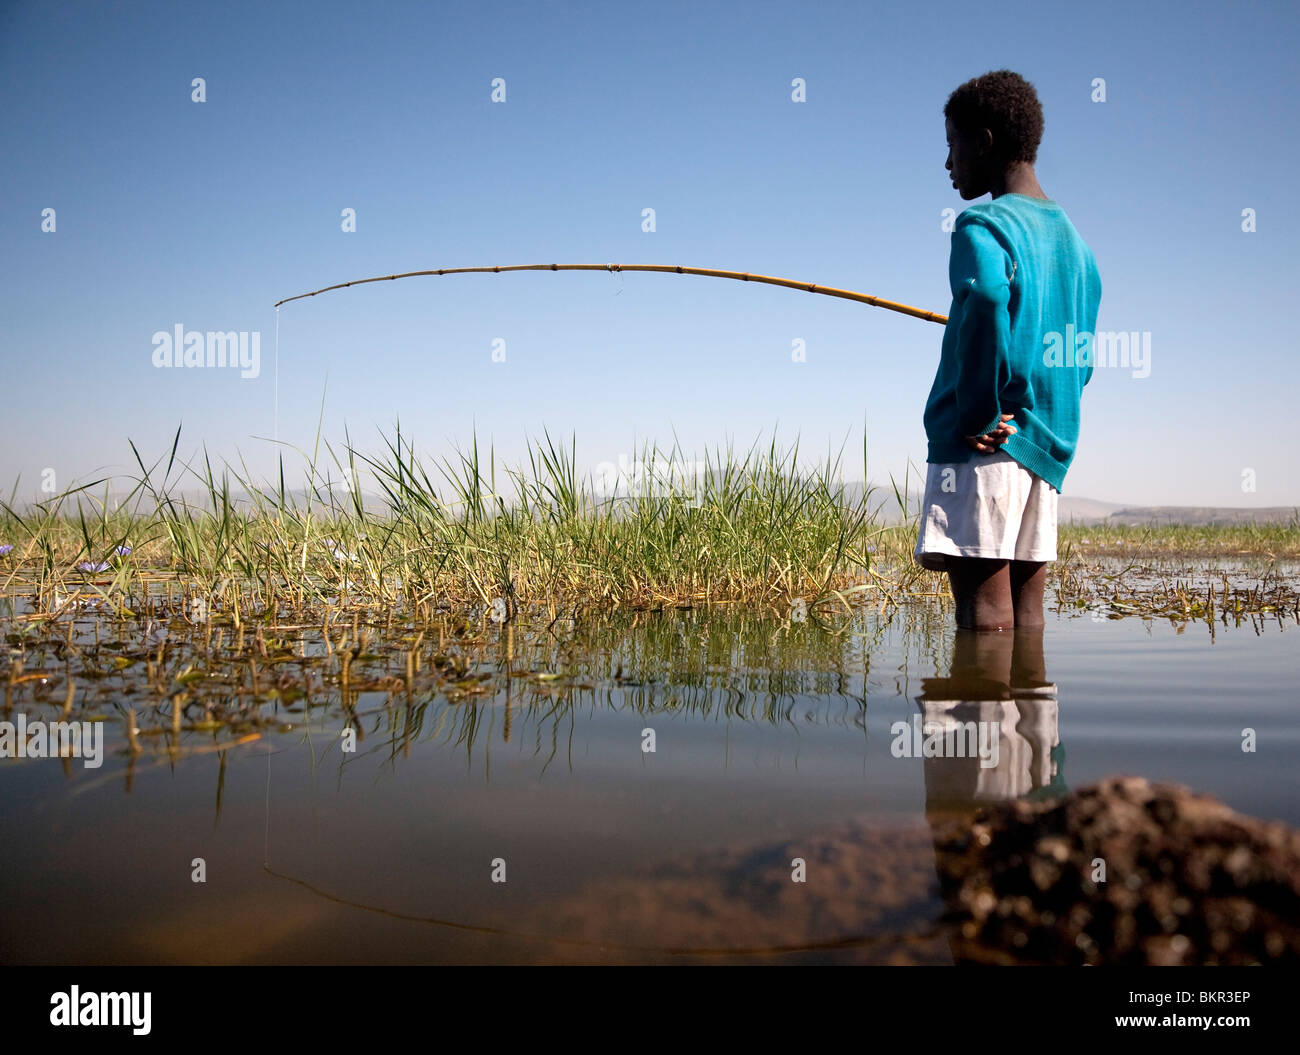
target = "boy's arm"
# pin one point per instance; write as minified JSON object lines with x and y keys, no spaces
{"x":979,"y":270}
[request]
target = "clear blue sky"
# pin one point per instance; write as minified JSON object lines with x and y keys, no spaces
{"x":204,"y":214}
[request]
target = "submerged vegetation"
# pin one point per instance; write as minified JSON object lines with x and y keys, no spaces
{"x":235,"y":612}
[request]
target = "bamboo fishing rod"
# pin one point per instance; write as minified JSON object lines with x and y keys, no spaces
{"x":707,"y":272}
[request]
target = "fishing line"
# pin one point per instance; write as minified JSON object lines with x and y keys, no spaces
{"x":266,"y":845}
{"x":275,"y":429}
{"x":853,"y":941}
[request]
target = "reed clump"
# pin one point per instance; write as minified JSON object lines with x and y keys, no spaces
{"x":407,"y":537}
{"x":399,"y":530}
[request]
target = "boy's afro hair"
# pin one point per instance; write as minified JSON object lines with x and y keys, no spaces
{"x":1007,"y":105}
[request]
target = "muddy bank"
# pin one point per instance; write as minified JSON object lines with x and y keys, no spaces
{"x":1186,"y":881}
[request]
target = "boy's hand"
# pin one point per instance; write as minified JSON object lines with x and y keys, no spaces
{"x":991,"y":441}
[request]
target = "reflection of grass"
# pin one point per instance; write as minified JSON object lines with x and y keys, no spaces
{"x":193,"y":687}
{"x":192,"y":691}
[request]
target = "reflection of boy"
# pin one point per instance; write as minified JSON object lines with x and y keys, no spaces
{"x":997,"y":681}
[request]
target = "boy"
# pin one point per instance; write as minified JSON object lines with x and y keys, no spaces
{"x":1002,"y":419}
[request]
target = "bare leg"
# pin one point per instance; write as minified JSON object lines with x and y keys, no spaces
{"x":1028,"y":578}
{"x":982,"y":590}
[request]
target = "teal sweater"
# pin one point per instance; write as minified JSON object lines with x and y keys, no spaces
{"x":1023,"y":284}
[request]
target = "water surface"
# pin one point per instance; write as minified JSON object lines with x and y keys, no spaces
{"x":773,"y":741}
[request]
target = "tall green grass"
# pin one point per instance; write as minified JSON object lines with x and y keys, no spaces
{"x":395,"y":526}
{"x":396,"y":530}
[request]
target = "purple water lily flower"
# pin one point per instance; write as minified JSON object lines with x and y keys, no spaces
{"x":123,"y":551}
{"x":86,"y":565}
{"x":6,"y":549}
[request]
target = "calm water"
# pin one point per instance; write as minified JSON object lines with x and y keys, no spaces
{"x":772,"y":742}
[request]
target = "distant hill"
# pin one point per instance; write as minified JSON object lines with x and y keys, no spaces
{"x":1070,"y":508}
{"x":882,"y":502}
{"x":1201,"y":516}
{"x":1076,"y":510}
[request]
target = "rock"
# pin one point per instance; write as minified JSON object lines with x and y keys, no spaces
{"x":869,"y":897}
{"x":1186,"y":880}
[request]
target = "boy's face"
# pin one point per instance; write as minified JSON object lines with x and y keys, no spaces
{"x":966,"y":163}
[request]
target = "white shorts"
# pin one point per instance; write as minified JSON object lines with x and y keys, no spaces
{"x":990,"y":507}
